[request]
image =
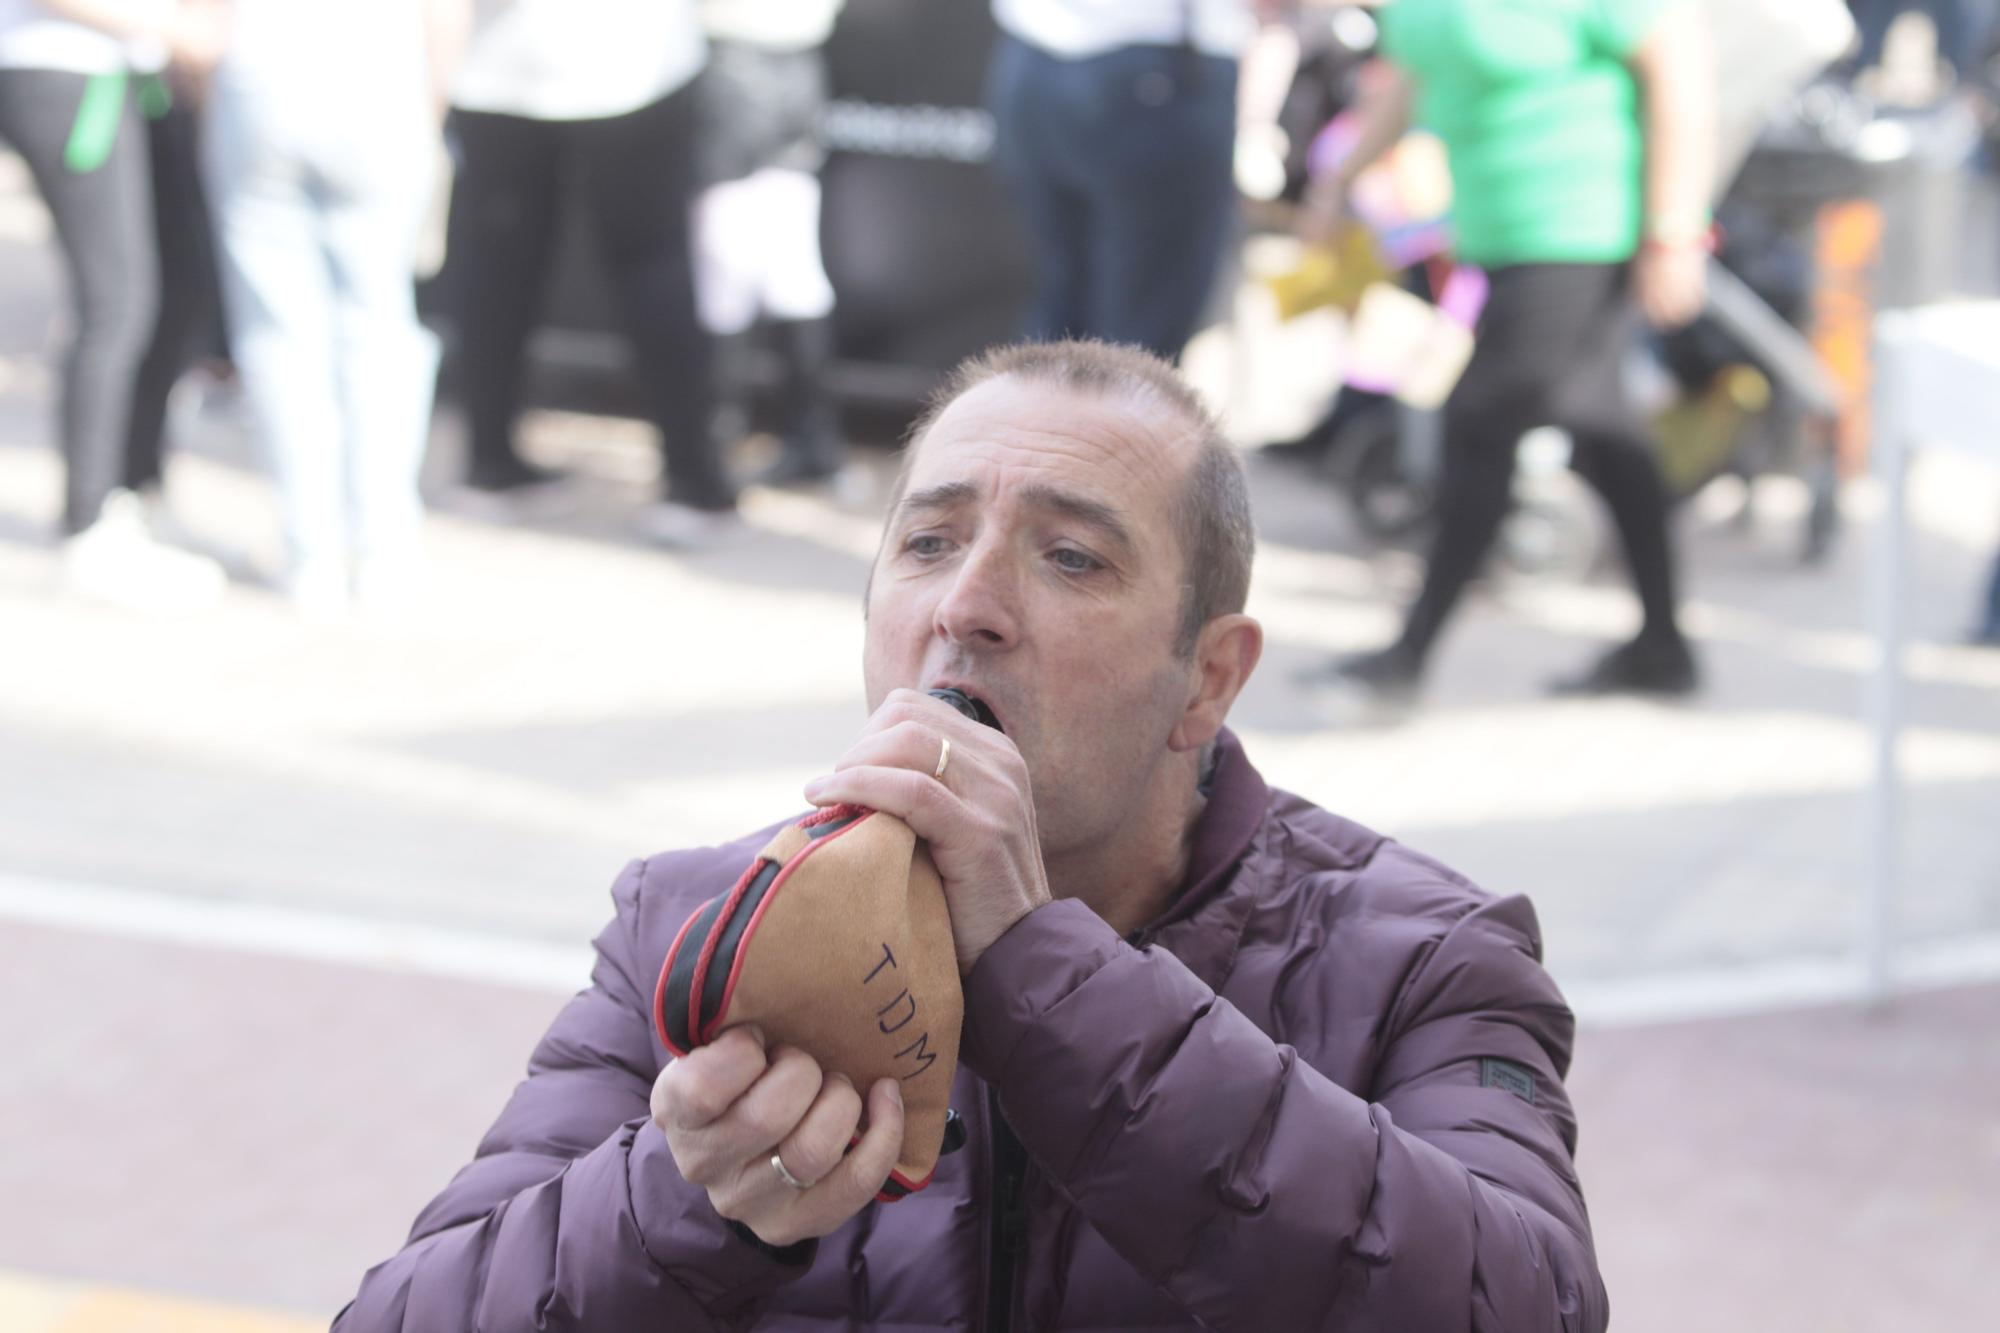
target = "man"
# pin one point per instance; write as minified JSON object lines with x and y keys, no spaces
{"x":1229,"y":1060}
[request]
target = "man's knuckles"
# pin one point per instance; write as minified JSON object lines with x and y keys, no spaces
{"x":773,"y":1107}
{"x":904,"y":707}
{"x":688,"y":1097}
{"x":902,"y":745}
{"x":819,"y":1143}
{"x":813,"y":1155}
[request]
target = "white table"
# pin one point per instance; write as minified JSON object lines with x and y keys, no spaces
{"x":1937,"y":384}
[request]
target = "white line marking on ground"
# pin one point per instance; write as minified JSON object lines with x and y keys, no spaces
{"x":1777,"y":983}
{"x":292,"y":932}
{"x":507,"y":960}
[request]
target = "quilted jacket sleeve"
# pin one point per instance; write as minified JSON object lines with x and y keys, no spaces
{"x":572,"y":1214}
{"x":1261,"y":1194}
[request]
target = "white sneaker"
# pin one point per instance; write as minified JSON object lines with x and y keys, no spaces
{"x":116,"y":561}
{"x":685,"y":528}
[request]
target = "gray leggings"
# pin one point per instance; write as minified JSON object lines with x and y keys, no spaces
{"x":104,"y":224}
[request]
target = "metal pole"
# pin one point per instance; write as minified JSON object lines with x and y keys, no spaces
{"x":1895,"y":343}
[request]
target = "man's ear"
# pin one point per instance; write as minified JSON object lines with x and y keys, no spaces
{"x":1224,"y":656}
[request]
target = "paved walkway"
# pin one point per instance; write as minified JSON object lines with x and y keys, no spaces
{"x":220,"y":1126}
{"x":566,"y":699}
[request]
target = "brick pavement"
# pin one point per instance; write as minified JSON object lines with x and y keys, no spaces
{"x":213,"y":1126}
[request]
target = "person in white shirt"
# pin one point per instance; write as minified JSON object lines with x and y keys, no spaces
{"x":321,"y":183}
{"x":591,"y":98}
{"x":1115,"y":132}
{"x":757,"y":218}
{"x":69,"y":108}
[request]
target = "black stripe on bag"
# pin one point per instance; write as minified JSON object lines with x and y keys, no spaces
{"x":716,"y":989}
{"x":717,"y":983}
{"x":680,"y":974}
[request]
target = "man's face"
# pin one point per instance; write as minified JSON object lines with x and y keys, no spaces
{"x":1033,"y":563}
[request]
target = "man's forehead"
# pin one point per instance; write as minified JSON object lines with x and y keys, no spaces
{"x":1111,"y":441}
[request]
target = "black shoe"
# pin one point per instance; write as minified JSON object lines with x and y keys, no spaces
{"x":510,"y":476}
{"x":1663,"y":668}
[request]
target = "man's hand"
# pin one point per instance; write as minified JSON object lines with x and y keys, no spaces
{"x":728,"y":1106}
{"x":979,"y":818}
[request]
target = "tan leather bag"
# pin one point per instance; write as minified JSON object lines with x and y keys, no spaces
{"x":836,"y":940}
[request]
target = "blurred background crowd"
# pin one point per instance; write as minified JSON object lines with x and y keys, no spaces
{"x":301,"y":205}
{"x":441,"y":443}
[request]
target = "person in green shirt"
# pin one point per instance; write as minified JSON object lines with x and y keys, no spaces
{"x":1581,"y":140}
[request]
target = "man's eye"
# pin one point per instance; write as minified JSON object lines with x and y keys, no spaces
{"x":925,"y":544}
{"x":1074,"y":561}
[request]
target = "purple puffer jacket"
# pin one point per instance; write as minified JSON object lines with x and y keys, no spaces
{"x":1323,"y":1092}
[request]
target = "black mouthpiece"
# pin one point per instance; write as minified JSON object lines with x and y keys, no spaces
{"x":969,"y":706}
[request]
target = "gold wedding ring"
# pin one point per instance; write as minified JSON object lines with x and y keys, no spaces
{"x":944,"y":757}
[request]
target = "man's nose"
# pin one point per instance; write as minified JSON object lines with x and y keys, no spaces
{"x":981,"y":608}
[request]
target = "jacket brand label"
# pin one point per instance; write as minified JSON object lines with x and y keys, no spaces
{"x":1508,"y":1077}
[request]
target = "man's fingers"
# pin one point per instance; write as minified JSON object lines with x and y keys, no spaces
{"x":904,"y":745}
{"x":903,"y":706}
{"x":859,"y":1176}
{"x":702,"y":1085}
{"x":861,"y":1173}
{"x":815,"y":1148}
{"x":781,"y":1215}
{"x":766,"y":1113}
{"x":917,"y":799}
{"x":753,"y":1123}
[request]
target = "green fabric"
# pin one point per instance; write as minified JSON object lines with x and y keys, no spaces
{"x":156,"y":99}
{"x":94,"y":132}
{"x":95,"y":129}
{"x":1541,"y":118}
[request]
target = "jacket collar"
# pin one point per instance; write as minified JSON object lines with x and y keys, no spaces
{"x":1204,"y":924}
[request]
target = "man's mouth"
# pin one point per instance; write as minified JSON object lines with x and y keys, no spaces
{"x":968,"y":703}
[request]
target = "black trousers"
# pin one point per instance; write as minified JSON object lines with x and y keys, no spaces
{"x":635,"y":177}
{"x":189,"y":327}
{"x":1551,"y":341}
{"x":104,"y":226}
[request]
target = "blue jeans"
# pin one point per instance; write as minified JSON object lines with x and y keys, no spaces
{"x":1120,"y":167}
{"x":318,"y":231}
